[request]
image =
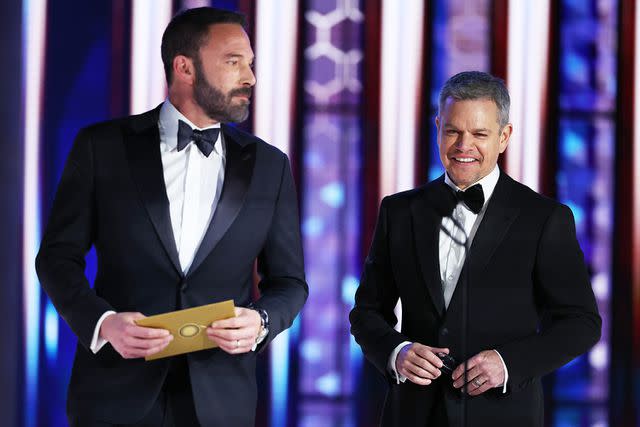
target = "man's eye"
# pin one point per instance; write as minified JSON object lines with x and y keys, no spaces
{"x":232,"y":62}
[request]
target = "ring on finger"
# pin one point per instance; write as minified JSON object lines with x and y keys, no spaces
{"x":477,"y":382}
{"x":237,"y":343}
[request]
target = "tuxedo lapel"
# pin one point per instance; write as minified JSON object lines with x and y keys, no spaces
{"x":143,"y":149}
{"x":495,"y":225}
{"x":240,"y":161}
{"x":426,"y":213}
{"x":498,"y":218}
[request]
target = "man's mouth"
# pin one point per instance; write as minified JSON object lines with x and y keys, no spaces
{"x":246,"y":94}
{"x":464,"y":159}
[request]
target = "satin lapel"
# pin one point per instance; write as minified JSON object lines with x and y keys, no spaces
{"x":143,"y":149}
{"x":240,"y":161}
{"x":426,"y":222}
{"x":498,"y":218}
{"x":494,"y":227}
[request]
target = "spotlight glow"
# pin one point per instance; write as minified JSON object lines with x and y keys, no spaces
{"x":34,"y":22}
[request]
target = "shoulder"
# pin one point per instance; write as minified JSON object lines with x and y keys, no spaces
{"x":116,"y":127}
{"x":532,"y":202}
{"x":426,"y":191}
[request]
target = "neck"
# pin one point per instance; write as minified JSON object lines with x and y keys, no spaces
{"x":190,"y":109}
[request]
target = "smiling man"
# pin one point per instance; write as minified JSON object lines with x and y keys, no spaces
{"x":178,"y":206}
{"x":525,"y":265}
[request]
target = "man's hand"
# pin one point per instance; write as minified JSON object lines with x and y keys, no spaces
{"x":130,"y":340}
{"x":237,"y":334}
{"x":419,"y":363}
{"x":484,"y":372}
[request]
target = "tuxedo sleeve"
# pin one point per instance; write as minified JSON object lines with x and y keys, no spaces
{"x":283,"y":289}
{"x":372,"y":317}
{"x":571,"y":321}
{"x":68,"y":236}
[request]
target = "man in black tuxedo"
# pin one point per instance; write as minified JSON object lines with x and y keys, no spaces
{"x":524,"y":265}
{"x":178,"y":205}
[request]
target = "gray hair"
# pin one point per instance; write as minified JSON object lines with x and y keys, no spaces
{"x":469,"y":85}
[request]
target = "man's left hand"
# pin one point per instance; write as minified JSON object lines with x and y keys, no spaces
{"x":484,"y":372}
{"x":237,"y":334}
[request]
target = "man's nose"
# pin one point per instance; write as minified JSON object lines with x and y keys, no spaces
{"x":464,"y":141}
{"x":248,"y":77}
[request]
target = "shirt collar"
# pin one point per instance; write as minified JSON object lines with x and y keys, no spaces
{"x":488,"y":183}
{"x":168,"y":124}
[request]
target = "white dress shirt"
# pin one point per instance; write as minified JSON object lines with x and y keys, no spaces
{"x":452,"y":252}
{"x":193,"y":183}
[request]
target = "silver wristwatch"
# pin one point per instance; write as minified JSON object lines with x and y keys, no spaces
{"x":264,"y":323}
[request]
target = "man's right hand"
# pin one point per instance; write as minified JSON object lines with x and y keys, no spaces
{"x":419,"y":363}
{"x":130,"y":340}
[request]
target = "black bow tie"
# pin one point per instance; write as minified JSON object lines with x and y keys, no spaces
{"x":204,"y":139}
{"x":473,"y":197}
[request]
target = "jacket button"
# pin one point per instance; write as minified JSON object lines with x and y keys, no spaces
{"x":183,"y":286}
{"x":444,"y":332}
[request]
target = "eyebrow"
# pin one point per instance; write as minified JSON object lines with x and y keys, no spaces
{"x":450,"y":126}
{"x":238,"y":55}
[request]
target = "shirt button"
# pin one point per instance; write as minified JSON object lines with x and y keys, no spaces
{"x":444,"y":332}
{"x":450,"y":278}
{"x":183,"y":286}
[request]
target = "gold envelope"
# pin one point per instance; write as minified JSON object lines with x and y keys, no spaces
{"x":188,"y":327}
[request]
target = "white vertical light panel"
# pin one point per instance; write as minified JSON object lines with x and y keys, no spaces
{"x":148,"y":83}
{"x":527,"y":61}
{"x":34,"y":24}
{"x":636,"y":171}
{"x":275,"y":49}
{"x":401,"y":59}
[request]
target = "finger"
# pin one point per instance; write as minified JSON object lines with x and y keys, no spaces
{"x":134,"y":353}
{"x":232,"y":334}
{"x":224,"y":343}
{"x":457,"y":373}
{"x":478,"y":390}
{"x":154,"y":350}
{"x":415,"y":378}
{"x":472,"y":374}
{"x":420,"y":372}
{"x":426,"y":365}
{"x":235,"y":348}
{"x":426,"y":351}
{"x":230,"y":323}
{"x":144,"y":332}
{"x":133,"y":343}
{"x":429,"y":354}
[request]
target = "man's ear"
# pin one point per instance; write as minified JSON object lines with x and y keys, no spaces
{"x":183,"y":70}
{"x":505,"y":136}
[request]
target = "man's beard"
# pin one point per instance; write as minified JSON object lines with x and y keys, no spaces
{"x":217,"y":105}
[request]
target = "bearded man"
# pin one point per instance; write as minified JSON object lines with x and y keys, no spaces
{"x":178,"y":206}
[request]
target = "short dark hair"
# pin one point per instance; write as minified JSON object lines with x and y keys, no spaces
{"x":469,"y":85}
{"x":188,"y":31}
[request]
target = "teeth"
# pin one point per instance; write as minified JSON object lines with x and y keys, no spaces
{"x":464,"y":160}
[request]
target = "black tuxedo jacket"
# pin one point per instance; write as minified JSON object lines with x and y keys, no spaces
{"x":112,"y":195}
{"x":524,"y":265}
